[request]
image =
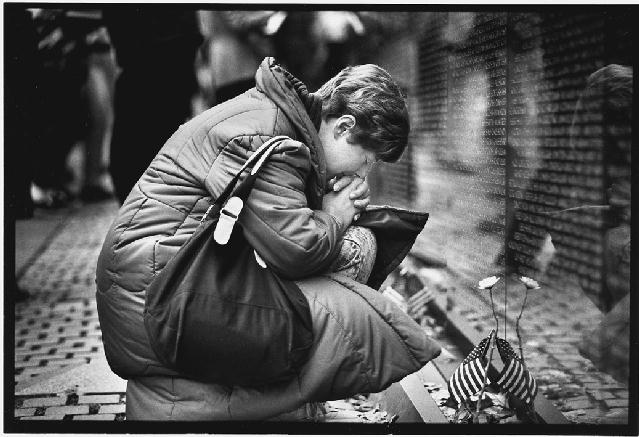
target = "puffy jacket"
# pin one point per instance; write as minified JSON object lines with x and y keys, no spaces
{"x":283,"y":223}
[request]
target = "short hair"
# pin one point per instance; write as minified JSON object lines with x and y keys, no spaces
{"x":369,"y":93}
{"x":608,"y":94}
{"x":612,"y":87}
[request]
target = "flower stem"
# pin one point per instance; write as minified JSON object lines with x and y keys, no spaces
{"x":521,"y":351}
{"x":505,"y":308}
{"x":492,"y":343}
{"x":492,"y":305}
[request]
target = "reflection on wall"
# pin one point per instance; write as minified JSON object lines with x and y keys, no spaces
{"x":514,"y":173}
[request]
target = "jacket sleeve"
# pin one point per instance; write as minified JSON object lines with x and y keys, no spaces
{"x":291,"y":238}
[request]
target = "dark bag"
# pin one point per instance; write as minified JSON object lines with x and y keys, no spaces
{"x":215,"y":314}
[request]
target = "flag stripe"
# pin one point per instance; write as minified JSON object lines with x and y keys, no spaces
{"x":520,"y":388}
{"x":477,"y":374}
{"x":464,"y":381}
{"x":506,"y":375}
{"x":515,"y":378}
{"x":458,"y":380}
{"x":468,"y":378}
{"x":455,"y":389}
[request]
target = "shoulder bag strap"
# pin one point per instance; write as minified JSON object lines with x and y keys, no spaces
{"x":229,"y":214}
{"x":222,"y":198}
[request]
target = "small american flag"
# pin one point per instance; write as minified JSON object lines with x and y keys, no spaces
{"x":468,"y":377}
{"x":515,"y":378}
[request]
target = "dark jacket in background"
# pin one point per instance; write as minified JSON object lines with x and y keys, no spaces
{"x":155,"y":47}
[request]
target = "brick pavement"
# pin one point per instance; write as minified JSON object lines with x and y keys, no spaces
{"x":58,"y":326}
{"x":58,"y":330}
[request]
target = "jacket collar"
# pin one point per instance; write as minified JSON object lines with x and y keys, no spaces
{"x":311,"y":102}
{"x":302,"y":108}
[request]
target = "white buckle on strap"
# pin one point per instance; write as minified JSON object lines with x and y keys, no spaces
{"x":228,"y":217}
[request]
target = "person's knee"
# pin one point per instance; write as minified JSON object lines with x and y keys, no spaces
{"x":357,"y":254}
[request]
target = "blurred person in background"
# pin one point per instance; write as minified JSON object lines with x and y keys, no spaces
{"x":155,"y":48}
{"x":608,"y":93}
{"x":77,"y":74}
{"x":601,"y":123}
{"x":316,"y":45}
{"x":98,"y":100}
{"x":312,"y":45}
{"x":237,"y":41}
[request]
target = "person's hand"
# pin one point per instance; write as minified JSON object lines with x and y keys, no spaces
{"x":338,"y":202}
{"x":360,"y":194}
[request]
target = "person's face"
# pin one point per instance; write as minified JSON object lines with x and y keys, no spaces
{"x":343,"y":157}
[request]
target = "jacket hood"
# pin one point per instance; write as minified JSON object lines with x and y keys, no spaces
{"x":302,"y":108}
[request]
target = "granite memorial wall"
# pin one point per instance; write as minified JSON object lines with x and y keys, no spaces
{"x":520,"y":145}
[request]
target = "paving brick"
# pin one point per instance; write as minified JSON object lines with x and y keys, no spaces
{"x":578,"y":371}
{"x":567,"y":339}
{"x":601,"y":395}
{"x":47,"y":417}
{"x":587,"y":379}
{"x":25,"y":376}
{"x":68,"y":409}
{"x":81,"y":342}
{"x":605,"y":386}
{"x":592,"y":412}
{"x":115,"y":409}
{"x":575,"y":404}
{"x":72,"y":350}
{"x":44,"y":402}
{"x":55,"y":324}
{"x":48,"y":367}
{"x":74,"y":340}
{"x":99,"y":399}
{"x":35,"y":335}
{"x":612,"y":403}
{"x":89,"y":353}
{"x":559,"y":350}
{"x":25,"y":364}
{"x":609,"y":379}
{"x":67,"y":316}
{"x":54,"y":330}
{"x":68,"y":306}
{"x":621,"y":394}
{"x":48,"y":357}
{"x":23,"y":351}
{"x":95,"y":417}
{"x":41,"y":343}
{"x":618,"y":412}
{"x":615,"y":420}
{"x":21,"y":412}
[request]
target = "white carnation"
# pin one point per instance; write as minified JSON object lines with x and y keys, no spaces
{"x":488,"y":283}
{"x":530,"y":283}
